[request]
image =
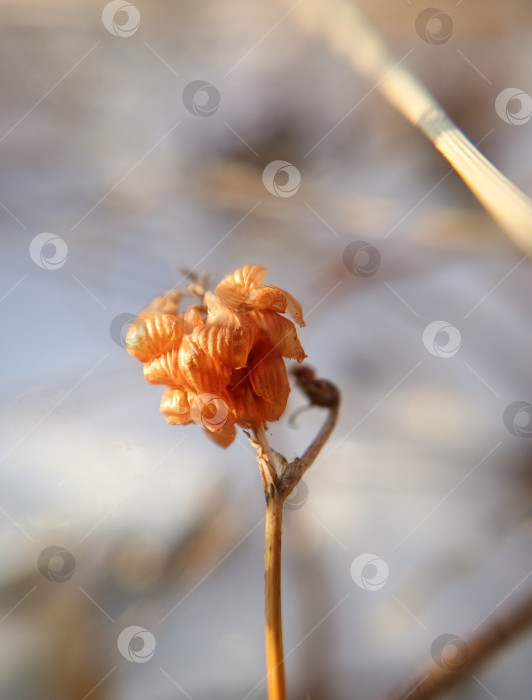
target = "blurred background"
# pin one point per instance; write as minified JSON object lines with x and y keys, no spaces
{"x":136,"y":140}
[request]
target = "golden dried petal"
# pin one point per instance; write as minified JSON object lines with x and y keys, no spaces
{"x":276,"y":299}
{"x":152,"y":335}
{"x":273,"y":411}
{"x":270,"y":298}
{"x":227,"y":336}
{"x":293,"y":307}
{"x":268,"y":375}
{"x":244,"y":290}
{"x":164,"y":370}
{"x":193,"y":317}
{"x":223,"y":437}
{"x":174,"y":407}
{"x":281,"y":332}
{"x":236,"y":288}
{"x":245,"y":278}
{"x":199,"y":371}
{"x":248,"y":409}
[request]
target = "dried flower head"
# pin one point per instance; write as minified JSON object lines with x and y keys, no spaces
{"x":222,"y":359}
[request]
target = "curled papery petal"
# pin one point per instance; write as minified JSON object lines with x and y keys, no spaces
{"x":275,"y":299}
{"x":164,"y":370}
{"x":193,"y":318}
{"x":227,"y":336}
{"x":281,"y":332}
{"x":268,"y":298}
{"x":223,"y":437}
{"x":152,"y":335}
{"x":268,"y":375}
{"x":175,"y":407}
{"x":248,"y":409}
{"x":235,"y":289}
{"x":293,"y":307}
{"x":200,"y":373}
{"x":243,"y":290}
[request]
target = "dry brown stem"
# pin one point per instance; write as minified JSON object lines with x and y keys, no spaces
{"x":279,"y":478}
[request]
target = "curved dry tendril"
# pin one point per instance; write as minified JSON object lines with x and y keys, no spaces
{"x":278,"y":475}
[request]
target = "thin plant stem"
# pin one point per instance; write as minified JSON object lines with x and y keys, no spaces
{"x":272,"y":596}
{"x":266,"y":459}
{"x":279,"y":478}
{"x":273,"y":622}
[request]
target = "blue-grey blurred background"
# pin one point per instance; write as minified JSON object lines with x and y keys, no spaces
{"x":114,"y":176}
